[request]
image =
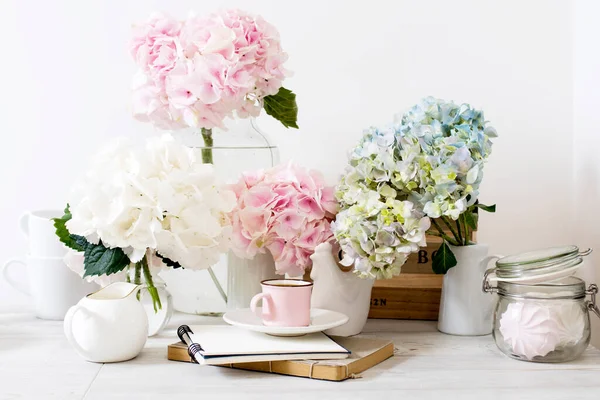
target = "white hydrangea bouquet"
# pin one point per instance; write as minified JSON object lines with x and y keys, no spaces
{"x":423,"y":170}
{"x":144,"y":206}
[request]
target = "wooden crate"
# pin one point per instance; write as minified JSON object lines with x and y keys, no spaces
{"x":415,"y":293}
{"x":407,"y":296}
{"x":420,"y":263}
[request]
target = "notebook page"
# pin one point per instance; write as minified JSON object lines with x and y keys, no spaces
{"x":218,"y":340}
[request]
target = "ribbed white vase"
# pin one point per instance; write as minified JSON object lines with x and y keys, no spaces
{"x":244,"y":277}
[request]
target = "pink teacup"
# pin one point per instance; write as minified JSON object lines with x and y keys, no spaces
{"x":285,"y":302}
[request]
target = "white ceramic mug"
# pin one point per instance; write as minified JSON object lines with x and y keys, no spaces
{"x":38,"y":227}
{"x":53,"y":287}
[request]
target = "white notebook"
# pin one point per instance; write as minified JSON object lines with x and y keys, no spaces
{"x":222,"y":344}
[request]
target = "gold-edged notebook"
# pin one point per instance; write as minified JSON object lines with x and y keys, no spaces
{"x":366,"y":353}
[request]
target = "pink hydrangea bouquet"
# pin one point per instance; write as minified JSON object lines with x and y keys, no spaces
{"x":197,"y":72}
{"x":286,"y":210}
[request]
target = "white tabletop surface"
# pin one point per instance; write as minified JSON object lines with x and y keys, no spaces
{"x":36,"y":362}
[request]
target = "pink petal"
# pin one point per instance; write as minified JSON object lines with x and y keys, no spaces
{"x":328,"y":200}
{"x":258,"y":196}
{"x":289,"y":224}
{"x":311,"y":207}
{"x":254,"y":220}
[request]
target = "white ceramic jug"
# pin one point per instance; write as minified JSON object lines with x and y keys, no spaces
{"x":339,"y":291}
{"x":465,"y":309}
{"x":109,"y":325}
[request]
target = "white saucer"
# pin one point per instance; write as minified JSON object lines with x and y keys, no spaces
{"x":320,"y":320}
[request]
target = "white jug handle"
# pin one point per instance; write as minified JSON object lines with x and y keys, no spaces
{"x":24,"y":224}
{"x":17,"y":285}
{"x":69,"y":330}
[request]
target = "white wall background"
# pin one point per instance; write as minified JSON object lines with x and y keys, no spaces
{"x":65,"y":75}
{"x":586,"y":96}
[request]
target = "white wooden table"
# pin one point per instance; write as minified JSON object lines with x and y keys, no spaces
{"x":36,"y":362}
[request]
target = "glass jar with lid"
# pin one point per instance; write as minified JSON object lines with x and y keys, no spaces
{"x":542,"y":313}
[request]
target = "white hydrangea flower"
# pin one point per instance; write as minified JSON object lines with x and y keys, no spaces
{"x":159,"y":197}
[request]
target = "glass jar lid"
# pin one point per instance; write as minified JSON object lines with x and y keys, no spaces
{"x":541,"y":265}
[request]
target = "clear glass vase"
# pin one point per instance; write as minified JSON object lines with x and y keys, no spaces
{"x":159,"y":312}
{"x":241,"y":147}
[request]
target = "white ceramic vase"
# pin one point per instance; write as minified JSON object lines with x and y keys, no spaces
{"x":337,"y":290}
{"x":465,"y":309}
{"x":244,"y":277}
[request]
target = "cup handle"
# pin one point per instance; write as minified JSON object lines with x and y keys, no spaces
{"x":11,"y":281}
{"x":24,"y":224}
{"x":254,"y":303}
{"x":68,"y":327}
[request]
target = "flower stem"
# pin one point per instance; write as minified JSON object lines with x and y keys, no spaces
{"x":137,"y":278}
{"x":150,"y":285}
{"x":207,"y":151}
{"x":459,"y":229}
{"x":445,"y":220}
{"x":217,"y":284}
{"x":442,"y":234}
{"x":466,"y":227}
{"x":207,"y":158}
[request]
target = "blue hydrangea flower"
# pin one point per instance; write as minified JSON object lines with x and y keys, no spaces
{"x":429,"y":163}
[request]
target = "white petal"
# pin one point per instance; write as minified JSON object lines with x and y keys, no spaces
{"x":472,"y":174}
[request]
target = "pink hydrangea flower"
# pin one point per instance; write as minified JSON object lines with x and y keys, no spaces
{"x":204,"y":69}
{"x":154,"y":46}
{"x":287,"y":211}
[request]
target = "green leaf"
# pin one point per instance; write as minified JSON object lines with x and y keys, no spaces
{"x":74,"y":242}
{"x":471,"y":219}
{"x":443,"y":259}
{"x":491,"y":209}
{"x":282,"y":106}
{"x":100,"y":260}
{"x":169,"y":262}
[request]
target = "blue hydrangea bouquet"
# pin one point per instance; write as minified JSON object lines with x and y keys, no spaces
{"x":419,"y":174}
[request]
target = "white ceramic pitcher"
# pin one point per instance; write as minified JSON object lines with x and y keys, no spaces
{"x":337,"y":290}
{"x":109,"y":325}
{"x":465,"y":310}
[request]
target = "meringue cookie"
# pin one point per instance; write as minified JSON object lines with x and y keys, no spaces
{"x":530,"y":329}
{"x":570,"y":319}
